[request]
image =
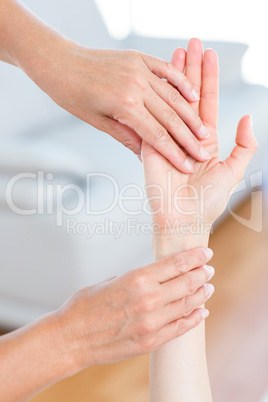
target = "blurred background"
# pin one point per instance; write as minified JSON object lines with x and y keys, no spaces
{"x":42,"y":264}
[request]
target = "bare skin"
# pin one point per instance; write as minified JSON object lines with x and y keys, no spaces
{"x":114,"y":320}
{"x":119,"y":92}
{"x":134,"y":314}
{"x":179,"y":368}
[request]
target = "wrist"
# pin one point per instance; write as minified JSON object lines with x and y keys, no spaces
{"x":65,"y":348}
{"x":33,"y":357}
{"x":59,"y":358}
{"x":166,"y":244}
{"x":39,"y":53}
{"x":27,"y":42}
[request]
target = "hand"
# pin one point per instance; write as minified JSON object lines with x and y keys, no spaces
{"x":204,"y":193}
{"x":136,"y":313}
{"x":122,"y":93}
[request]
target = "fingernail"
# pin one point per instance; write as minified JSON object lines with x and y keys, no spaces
{"x":205,"y":313}
{"x":204,"y":132}
{"x":195,"y":95}
{"x":188,"y":165}
{"x":208,"y":252}
{"x":204,"y":153}
{"x":210,"y":288}
{"x":210,"y":270}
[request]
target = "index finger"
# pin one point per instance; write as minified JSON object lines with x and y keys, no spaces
{"x":164,"y":69}
{"x":208,"y":108}
{"x":193,"y":69}
{"x":179,"y":263}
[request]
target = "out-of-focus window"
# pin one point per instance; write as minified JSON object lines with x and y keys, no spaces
{"x":229,"y":20}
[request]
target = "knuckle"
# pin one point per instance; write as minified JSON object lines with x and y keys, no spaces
{"x":140,"y":281}
{"x":200,"y":258}
{"x":175,"y":96}
{"x":128,"y":143}
{"x":171,"y":117}
{"x":146,"y":326}
{"x":209,"y":96}
{"x":168,"y":67}
{"x":148,"y":303}
{"x":181,"y":327}
{"x":129,"y":101}
{"x":161,"y":135}
{"x":179,"y":262}
{"x":187,"y":306}
{"x":191,"y":283}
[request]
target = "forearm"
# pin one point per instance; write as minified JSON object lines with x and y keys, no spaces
{"x":178,"y":370}
{"x":32,"y":358}
{"x":25,"y":40}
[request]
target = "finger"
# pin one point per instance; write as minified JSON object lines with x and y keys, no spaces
{"x":122,"y":133}
{"x":178,"y":264}
{"x":179,"y":59}
{"x":244,"y":150}
{"x":163,"y":69}
{"x":169,"y":119}
{"x":193,"y":69}
{"x":209,"y":99}
{"x":170,"y":96}
{"x":156,"y":135}
{"x":184,"y":307}
{"x":180,"y":327}
{"x":187,"y":284}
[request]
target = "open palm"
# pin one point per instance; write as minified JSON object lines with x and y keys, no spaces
{"x":204,"y":193}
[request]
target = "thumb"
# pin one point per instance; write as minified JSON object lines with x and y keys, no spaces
{"x":246,"y":146}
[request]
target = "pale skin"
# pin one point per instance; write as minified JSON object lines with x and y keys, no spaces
{"x":119,"y":92}
{"x":179,"y":369}
{"x":137,"y":106}
{"x":114,"y":320}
